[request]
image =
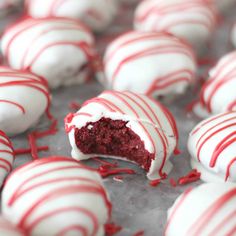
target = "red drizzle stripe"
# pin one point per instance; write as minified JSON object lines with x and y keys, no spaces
{"x":208,"y":215}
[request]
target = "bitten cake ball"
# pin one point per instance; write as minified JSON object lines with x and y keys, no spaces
{"x":24,"y":98}
{"x":56,"y":196}
{"x":208,"y":210}
{"x":97,"y":14}
{"x":124,"y":125}
{"x":212,"y":145}
{"x":7,"y":229}
{"x":193,"y":21}
{"x":61,"y":50}
{"x":218,"y":94}
{"x":149,"y":63}
{"x":6,"y":159}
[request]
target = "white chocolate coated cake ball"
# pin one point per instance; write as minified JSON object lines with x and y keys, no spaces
{"x":207,"y":210}
{"x":193,"y":21}
{"x":96,"y":14}
{"x":151,"y":63}
{"x":212,"y":145}
{"x":56,"y":196}
{"x":59,"y":49}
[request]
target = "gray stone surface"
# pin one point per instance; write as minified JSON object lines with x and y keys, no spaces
{"x":136,"y":205}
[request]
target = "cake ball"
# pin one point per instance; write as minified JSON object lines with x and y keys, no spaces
{"x":212,"y":145}
{"x":218,"y":94}
{"x":56,"y":196}
{"x":96,"y":14}
{"x":150,"y":63}
{"x":6,"y":159}
{"x":127,"y":126}
{"x":193,"y":21}
{"x":205,"y":210}
{"x":24,"y":98}
{"x":61,"y":50}
{"x":8,"y":229}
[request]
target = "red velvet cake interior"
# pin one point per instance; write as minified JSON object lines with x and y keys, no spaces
{"x":112,"y":137}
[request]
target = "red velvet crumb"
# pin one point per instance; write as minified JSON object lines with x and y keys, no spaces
{"x":112,"y":137}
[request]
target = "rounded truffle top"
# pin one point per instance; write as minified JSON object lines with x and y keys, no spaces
{"x":194,"y":21}
{"x":96,"y":14}
{"x":55,"y":196}
{"x":212,"y":145}
{"x":56,"y":48}
{"x":205,"y":210}
{"x":171,"y":64}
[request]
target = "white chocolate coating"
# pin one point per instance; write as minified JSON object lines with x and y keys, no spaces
{"x":219,"y":94}
{"x":96,"y":14}
{"x":207,"y":210}
{"x":192,"y":21}
{"x":61,"y":50}
{"x":212,"y":145}
{"x":24,"y":98}
{"x":147,"y":118}
{"x":56,"y":196}
{"x":7,"y":229}
{"x":149,"y":63}
{"x":6,"y":158}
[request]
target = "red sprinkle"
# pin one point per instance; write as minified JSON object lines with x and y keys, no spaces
{"x":33,"y":146}
{"x":105,"y":163}
{"x":191,"y":177}
{"x":139,"y":233}
{"x":112,"y":229}
{"x":155,"y":183}
{"x":173,"y":182}
{"x":106,"y":171}
{"x":32,"y":137}
{"x":51,"y":131}
{"x":22,"y":151}
{"x":74,"y":106}
{"x":177,"y":152}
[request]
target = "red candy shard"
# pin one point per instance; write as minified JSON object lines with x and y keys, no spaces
{"x":112,"y":229}
{"x":155,"y":183}
{"x":192,"y":176}
{"x":173,"y":182}
{"x":139,"y":233}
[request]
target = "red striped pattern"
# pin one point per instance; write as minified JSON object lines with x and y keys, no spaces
{"x":58,"y":179}
{"x":212,"y":210}
{"x":6,"y":156}
{"x":176,"y":17}
{"x":133,"y":47}
{"x":91,"y":13}
{"x":14,"y":78}
{"x":47,"y":33}
{"x":219,"y":133}
{"x":222,"y":78}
